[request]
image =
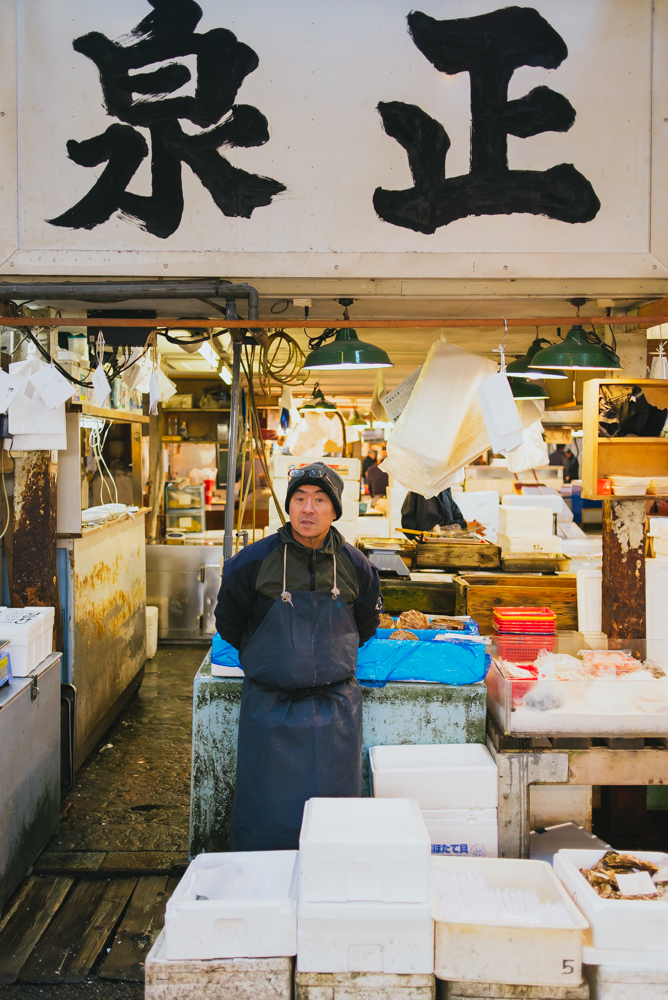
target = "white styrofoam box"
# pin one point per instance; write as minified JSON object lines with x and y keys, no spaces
{"x":373,"y":527}
{"x":636,"y":924}
{"x":553,"y":804}
{"x":511,"y":544}
{"x":553,"y":501}
{"x":30,"y":634}
{"x":365,"y":937}
{"x":217,"y":978}
{"x":363,"y":850}
{"x":236,"y":905}
{"x":590,"y":600}
{"x":615,"y":982}
{"x":482,"y":506}
{"x":439,"y":776}
{"x":508,"y":950}
{"x":363,"y":986}
{"x":347,"y":468}
{"x":348,"y":529}
{"x":525,"y":522}
{"x":151,"y":631}
{"x":658,"y":527}
{"x":545,"y":843}
{"x":470,"y":833}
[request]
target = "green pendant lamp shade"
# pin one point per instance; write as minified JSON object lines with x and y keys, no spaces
{"x":524,"y":388}
{"x":357,"y":421}
{"x":346,"y":351}
{"x":317,"y":403}
{"x":579,"y":350}
{"x":522,"y":368}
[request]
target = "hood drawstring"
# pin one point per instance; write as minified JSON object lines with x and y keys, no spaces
{"x":286,"y":596}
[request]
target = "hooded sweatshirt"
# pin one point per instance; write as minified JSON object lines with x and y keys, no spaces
{"x":253,"y":580}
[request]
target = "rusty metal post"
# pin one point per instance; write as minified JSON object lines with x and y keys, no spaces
{"x":623,"y":610}
{"x":35,"y":576}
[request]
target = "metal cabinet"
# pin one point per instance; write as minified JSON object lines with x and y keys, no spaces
{"x":30,"y":782}
{"x":182,"y":581}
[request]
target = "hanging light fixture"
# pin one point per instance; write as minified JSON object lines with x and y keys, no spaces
{"x":346,"y":352}
{"x":317,"y":403}
{"x":521,"y":367}
{"x":580,"y":351}
{"x":524,"y":388}
{"x":355,"y":420}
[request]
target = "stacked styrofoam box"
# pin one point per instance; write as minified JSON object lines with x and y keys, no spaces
{"x":30,"y":634}
{"x":364,"y":867}
{"x":348,"y":468}
{"x":216,"y":979}
{"x":506,"y":991}
{"x":363,"y":986}
{"x":456,"y":787}
{"x":234,"y":905}
{"x":629,"y":932}
{"x":482,"y":506}
{"x":527,"y":529}
{"x":658,"y":532}
{"x":614,"y":982}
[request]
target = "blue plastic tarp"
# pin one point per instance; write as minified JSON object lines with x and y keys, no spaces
{"x":453,"y":659}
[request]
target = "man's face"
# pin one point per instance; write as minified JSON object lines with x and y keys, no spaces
{"x":311,"y":511}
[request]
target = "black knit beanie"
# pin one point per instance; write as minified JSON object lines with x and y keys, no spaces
{"x":317,"y":474}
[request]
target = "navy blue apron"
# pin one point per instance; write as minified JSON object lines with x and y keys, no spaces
{"x":300,"y":728}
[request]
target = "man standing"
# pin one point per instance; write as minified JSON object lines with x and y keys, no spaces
{"x":420,"y":514}
{"x":559,"y":457}
{"x":297,"y":605}
{"x":370,"y":460}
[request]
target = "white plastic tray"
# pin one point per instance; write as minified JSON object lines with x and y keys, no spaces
{"x":250,"y":912}
{"x":508,"y":953}
{"x":440,"y":776}
{"x":633,"y":924}
{"x":363,"y":850}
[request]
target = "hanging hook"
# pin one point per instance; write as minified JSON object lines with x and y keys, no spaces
{"x":501,"y":349}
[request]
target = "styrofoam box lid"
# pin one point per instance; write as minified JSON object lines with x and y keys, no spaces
{"x":25,"y":622}
{"x":245,"y":876}
{"x":367,"y":821}
{"x":553,"y":501}
{"x":436,"y":757}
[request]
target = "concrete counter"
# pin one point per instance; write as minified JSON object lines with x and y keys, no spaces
{"x":396,"y":713}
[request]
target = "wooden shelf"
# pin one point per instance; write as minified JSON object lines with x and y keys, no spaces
{"x":603,"y":457}
{"x":195,"y":409}
{"x":121,"y":416}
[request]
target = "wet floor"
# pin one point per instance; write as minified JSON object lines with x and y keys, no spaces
{"x":126,"y":818}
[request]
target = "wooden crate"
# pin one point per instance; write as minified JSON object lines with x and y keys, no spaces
{"x":622,"y":456}
{"x":364,"y":985}
{"x":478,"y":594}
{"x":456,"y":554}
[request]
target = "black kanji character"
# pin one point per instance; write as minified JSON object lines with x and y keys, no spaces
{"x":222,"y":65}
{"x":489,"y":48}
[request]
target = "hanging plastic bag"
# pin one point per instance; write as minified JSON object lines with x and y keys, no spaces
{"x":441,"y":428}
{"x":308,"y":437}
{"x":379,"y":391}
{"x":28,"y":413}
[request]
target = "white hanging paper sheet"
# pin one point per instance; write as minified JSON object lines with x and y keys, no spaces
{"x":395,"y":401}
{"x":52,"y":387}
{"x":500,"y":413}
{"x":441,"y":428}
{"x":8,"y":387}
{"x":101,"y":386}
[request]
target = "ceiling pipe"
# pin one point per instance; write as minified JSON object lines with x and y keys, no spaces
{"x":116,"y":291}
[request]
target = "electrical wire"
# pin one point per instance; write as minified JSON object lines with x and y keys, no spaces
{"x":316,"y":342}
{"x":288,"y":372}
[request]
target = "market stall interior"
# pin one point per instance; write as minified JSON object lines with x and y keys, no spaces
{"x":515,"y":688}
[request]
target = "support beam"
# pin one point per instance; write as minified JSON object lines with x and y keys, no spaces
{"x":35,"y":577}
{"x":623,"y":609}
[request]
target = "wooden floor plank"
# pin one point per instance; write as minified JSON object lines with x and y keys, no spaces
{"x":45,"y":963}
{"x":105,"y":919}
{"x":27,"y":920}
{"x":68,"y":862}
{"x":140,"y":927}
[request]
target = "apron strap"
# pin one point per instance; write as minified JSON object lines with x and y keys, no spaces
{"x":335,"y":589}
{"x":286,"y":596}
